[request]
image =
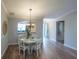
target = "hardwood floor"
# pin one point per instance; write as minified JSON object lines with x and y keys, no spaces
{"x":51,"y":50}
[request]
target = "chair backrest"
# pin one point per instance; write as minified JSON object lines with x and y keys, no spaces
{"x":20,"y":42}
{"x":39,"y":42}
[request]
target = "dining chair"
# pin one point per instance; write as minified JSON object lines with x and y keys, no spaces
{"x":37,"y":46}
{"x":23,"y":47}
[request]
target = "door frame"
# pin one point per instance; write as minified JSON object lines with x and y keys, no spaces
{"x":58,"y":29}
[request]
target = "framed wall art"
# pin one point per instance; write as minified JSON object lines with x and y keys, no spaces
{"x":4,"y":29}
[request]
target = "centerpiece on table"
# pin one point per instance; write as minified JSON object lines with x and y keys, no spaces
{"x":28,"y":32}
{"x":28,"y":28}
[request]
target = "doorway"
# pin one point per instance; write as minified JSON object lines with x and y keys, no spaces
{"x":60,"y":31}
{"x":45,"y":30}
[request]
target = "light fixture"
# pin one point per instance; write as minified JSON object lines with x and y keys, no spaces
{"x":30,"y":18}
{"x":28,"y":29}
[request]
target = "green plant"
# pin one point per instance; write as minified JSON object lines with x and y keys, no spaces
{"x":28,"y":33}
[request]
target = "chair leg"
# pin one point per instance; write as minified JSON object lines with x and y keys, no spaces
{"x":37,"y":52}
{"x":31,"y":50}
{"x":40,"y":50}
{"x":19,"y":51}
{"x":24,"y":53}
{"x":28,"y":51}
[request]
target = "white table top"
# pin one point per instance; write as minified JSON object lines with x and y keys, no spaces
{"x":28,"y":41}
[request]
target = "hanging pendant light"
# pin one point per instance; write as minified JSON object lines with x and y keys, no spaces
{"x":30,"y":19}
{"x":29,"y":34}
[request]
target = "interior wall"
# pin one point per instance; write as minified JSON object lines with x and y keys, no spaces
{"x":52,"y":30}
{"x":49,"y":29}
{"x":70,"y":29}
{"x":13,"y":35}
{"x":70,"y":38}
{"x":4,"y":38}
{"x":45,"y":29}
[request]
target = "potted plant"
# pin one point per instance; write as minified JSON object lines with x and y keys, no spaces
{"x":28,"y":31}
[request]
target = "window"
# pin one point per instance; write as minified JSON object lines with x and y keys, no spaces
{"x":21,"y":27}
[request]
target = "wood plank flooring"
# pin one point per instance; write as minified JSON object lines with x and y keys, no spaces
{"x":50,"y":50}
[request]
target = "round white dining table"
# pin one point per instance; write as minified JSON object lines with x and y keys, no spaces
{"x":28,"y":40}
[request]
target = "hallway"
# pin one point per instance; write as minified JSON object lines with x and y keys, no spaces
{"x":51,"y":50}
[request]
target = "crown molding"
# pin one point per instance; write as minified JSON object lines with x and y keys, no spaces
{"x":67,"y":13}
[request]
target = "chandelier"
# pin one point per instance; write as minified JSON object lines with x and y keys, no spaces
{"x":30,"y":18}
{"x":28,"y":30}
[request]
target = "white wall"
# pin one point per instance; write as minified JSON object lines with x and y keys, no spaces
{"x":4,"y":39}
{"x":52,"y":30}
{"x":13,"y":36}
{"x":70,"y":39}
{"x":70,"y":34}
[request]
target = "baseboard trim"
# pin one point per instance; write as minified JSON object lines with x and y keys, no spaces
{"x":4,"y":52}
{"x":7,"y":48}
{"x":70,"y":47}
{"x":12,"y":43}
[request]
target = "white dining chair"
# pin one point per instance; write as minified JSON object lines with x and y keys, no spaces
{"x":37,"y":46}
{"x":23,"y":47}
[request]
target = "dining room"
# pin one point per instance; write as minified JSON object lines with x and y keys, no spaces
{"x":29,"y":29}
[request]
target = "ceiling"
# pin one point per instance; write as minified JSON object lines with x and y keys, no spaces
{"x":40,"y":8}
